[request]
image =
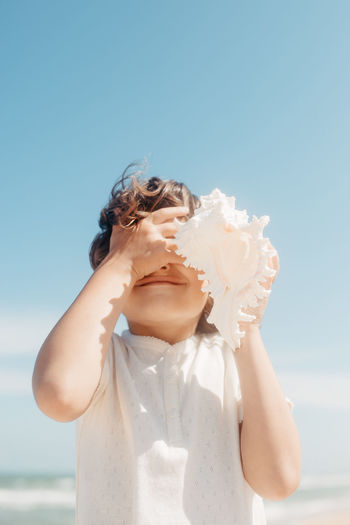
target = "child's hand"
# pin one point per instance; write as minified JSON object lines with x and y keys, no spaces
{"x":148,"y":247}
{"x":259,"y":310}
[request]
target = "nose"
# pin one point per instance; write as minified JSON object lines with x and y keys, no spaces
{"x":165,"y":267}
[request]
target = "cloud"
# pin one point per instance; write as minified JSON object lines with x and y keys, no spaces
{"x":318,"y":389}
{"x":304,"y":389}
{"x":25,"y":332}
{"x":13,"y":382}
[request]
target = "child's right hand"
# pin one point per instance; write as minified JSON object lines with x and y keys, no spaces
{"x":148,"y":247}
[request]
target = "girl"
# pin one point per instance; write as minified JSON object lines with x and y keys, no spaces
{"x":172,"y":426}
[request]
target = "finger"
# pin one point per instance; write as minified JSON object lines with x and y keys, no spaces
{"x":168,"y":229}
{"x":175,"y":258}
{"x":273,"y":248}
{"x":276,"y":267}
{"x":275,"y":260}
{"x":229,"y":227}
{"x":164,"y":214}
{"x":170,"y":245}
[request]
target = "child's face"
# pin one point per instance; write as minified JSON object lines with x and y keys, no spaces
{"x":156,"y":305}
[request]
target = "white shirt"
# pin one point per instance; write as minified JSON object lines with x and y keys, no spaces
{"x":159,"y":442}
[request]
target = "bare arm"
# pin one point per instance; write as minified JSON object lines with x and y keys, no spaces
{"x":70,"y":361}
{"x":270,"y":444}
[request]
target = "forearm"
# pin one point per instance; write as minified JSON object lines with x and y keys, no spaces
{"x":270,"y":444}
{"x":69,"y":364}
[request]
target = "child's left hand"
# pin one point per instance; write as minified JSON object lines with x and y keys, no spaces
{"x":259,"y":310}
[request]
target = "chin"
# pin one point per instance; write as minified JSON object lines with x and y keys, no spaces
{"x":161,"y":315}
{"x":163,"y":308}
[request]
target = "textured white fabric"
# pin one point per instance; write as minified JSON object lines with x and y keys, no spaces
{"x":159,"y":442}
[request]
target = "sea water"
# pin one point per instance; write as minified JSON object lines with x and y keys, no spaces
{"x":37,"y":499}
{"x":316,"y":495}
{"x":49,"y":499}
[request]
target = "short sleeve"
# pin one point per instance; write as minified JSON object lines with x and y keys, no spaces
{"x":240,"y":405}
{"x":105,"y":376}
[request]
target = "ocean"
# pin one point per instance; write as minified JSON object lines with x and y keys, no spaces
{"x":49,"y":499}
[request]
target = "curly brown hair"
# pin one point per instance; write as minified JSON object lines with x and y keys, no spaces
{"x":128,"y":204}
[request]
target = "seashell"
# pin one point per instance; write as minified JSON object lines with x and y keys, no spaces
{"x":233,"y":254}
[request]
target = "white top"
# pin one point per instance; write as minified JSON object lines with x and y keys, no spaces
{"x":159,"y":442}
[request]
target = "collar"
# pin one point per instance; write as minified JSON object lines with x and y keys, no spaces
{"x":158,"y":347}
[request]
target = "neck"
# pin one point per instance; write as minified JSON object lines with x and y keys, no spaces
{"x":171,"y":334}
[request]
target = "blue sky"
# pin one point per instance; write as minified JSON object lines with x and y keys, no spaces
{"x":250,"y":97}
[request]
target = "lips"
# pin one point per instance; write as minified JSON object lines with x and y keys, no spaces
{"x":159,"y":281}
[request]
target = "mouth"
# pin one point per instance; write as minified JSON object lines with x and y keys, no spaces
{"x":161,"y":283}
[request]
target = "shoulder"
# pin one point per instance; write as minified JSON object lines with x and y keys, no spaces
{"x":216,"y":341}
{"x":214,"y":345}
{"x":117,"y":340}
{"x":211,"y":339}
{"x":119,"y":343}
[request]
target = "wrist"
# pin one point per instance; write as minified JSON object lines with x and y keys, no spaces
{"x":118,"y":264}
{"x":251,"y":331}
{"x":247,"y":327}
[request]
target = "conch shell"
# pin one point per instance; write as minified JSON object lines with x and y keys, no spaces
{"x":233,"y":254}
